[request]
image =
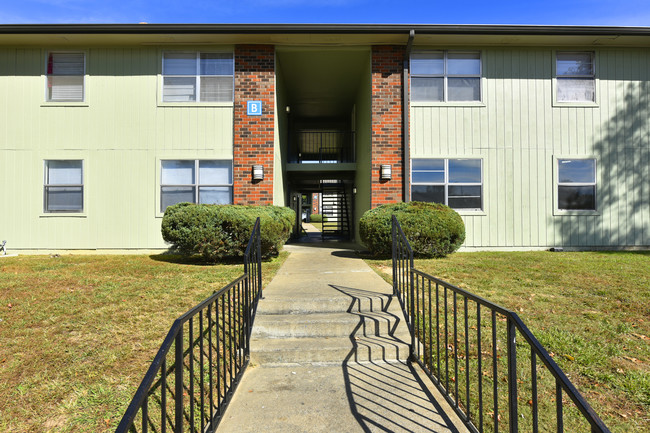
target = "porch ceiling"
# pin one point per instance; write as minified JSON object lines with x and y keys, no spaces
{"x":322,"y":83}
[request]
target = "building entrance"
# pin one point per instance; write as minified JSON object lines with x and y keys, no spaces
{"x":324,"y":120}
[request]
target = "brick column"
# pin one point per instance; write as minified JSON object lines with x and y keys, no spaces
{"x":387,"y":63}
{"x":253,"y":135}
{"x":314,"y":202}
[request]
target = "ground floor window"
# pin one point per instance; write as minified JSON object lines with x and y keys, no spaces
{"x":195,"y":181}
{"x":63,"y":186}
{"x":457,"y":183}
{"x":576,"y":184}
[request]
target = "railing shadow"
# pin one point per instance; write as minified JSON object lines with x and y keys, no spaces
{"x":384,"y":391}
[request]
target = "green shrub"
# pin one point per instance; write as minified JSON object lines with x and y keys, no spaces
{"x":222,"y":231}
{"x":316,"y":218}
{"x":432,"y":229}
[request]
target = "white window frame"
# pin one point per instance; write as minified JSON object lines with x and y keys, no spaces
{"x":83,"y":99}
{"x":446,"y":183}
{"x":593,"y":76}
{"x":161,"y":99}
{"x":558,"y":184}
{"x":445,"y":76}
{"x":196,"y":185}
{"x":47,"y":185}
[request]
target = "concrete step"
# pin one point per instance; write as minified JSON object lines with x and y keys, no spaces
{"x":324,"y":324}
{"x":306,"y":303}
{"x":329,"y":350}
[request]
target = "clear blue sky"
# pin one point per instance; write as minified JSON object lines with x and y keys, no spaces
{"x":568,"y":12}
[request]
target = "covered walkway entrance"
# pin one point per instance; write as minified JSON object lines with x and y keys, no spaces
{"x":324,"y":122}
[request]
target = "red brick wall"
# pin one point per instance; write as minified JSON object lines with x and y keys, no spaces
{"x":314,"y":202}
{"x":253,"y":135}
{"x":387,"y":77}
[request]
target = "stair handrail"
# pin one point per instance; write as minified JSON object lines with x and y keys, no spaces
{"x":237,"y":301}
{"x":410,"y":286}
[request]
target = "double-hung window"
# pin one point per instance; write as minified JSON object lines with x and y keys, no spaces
{"x":575,"y":77}
{"x":455,"y":182}
{"x":446,"y":76}
{"x":195,"y":181}
{"x":197,"y":77}
{"x":63,"y":186}
{"x":65,"y":77}
{"x":576,"y":184}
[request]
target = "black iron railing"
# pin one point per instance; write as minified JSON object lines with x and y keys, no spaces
{"x":482,"y":357}
{"x":194,"y":374}
{"x":324,"y":147}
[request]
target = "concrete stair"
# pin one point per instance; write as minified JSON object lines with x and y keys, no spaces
{"x":328,"y":354}
{"x":346,"y":325}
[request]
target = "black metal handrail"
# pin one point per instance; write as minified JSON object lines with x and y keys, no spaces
{"x":216,"y":343}
{"x":431,"y":308}
{"x":315,"y":146}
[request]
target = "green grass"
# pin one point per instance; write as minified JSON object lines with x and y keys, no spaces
{"x":591,"y":311}
{"x":77,"y":333}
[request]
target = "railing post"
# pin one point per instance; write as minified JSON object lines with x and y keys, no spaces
{"x":394,"y":255}
{"x":259,"y":258}
{"x":178,"y":379}
{"x":248,"y":295}
{"x":411,"y":283}
{"x":247,"y":304}
{"x":512,"y":376}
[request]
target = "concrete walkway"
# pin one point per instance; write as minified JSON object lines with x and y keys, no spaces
{"x":328,"y":354}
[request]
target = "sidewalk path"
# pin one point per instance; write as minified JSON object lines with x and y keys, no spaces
{"x":328,"y":354}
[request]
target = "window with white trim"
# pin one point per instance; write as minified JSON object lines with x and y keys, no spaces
{"x":457,"y":183}
{"x":575,"y":77}
{"x":195,"y":181}
{"x":65,"y":77}
{"x":576,"y":184}
{"x":197,"y":77}
{"x":63,"y":186}
{"x":446,"y":76}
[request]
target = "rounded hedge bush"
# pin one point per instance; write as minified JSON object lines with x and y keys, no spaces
{"x":222,"y":231}
{"x":432,"y":229}
{"x":316,"y":218}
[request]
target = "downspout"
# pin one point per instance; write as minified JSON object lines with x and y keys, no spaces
{"x":406,"y":108}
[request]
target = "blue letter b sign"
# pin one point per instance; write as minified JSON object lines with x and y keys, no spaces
{"x":254,"y":108}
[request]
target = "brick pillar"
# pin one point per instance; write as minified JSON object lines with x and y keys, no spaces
{"x":387,"y":64}
{"x":253,"y":135}
{"x":314,"y":203}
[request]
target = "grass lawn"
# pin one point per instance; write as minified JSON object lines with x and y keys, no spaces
{"x":78,"y":332}
{"x":591,"y":310}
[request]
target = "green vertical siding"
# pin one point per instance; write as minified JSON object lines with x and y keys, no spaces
{"x":363,"y":142}
{"x":518,"y":132}
{"x":121,"y":132}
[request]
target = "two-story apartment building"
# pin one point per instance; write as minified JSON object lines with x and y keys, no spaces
{"x":537,"y":135}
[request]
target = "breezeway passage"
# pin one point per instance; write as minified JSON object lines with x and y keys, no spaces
{"x":329,"y":354}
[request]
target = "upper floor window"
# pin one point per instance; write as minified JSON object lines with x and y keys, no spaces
{"x":65,"y":77}
{"x":446,"y":76}
{"x":576,"y":184}
{"x":575,"y":76}
{"x":63,"y":186}
{"x":458,"y":183}
{"x":197,"y":77}
{"x":195,"y":181}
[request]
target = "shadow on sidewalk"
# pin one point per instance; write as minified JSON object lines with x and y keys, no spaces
{"x":387,"y":395}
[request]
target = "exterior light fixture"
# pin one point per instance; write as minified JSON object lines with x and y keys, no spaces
{"x":288,"y":109}
{"x":258,"y":172}
{"x":354,"y":190}
{"x":385,"y":172}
